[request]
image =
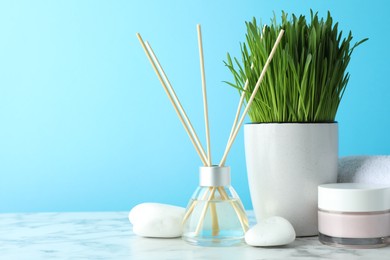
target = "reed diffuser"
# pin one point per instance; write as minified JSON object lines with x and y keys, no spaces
{"x":215,"y":215}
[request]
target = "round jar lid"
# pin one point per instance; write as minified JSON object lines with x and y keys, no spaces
{"x":353,"y":197}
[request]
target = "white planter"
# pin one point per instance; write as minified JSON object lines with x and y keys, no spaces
{"x":285,"y":163}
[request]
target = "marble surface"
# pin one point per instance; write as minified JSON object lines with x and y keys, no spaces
{"x":108,"y":235}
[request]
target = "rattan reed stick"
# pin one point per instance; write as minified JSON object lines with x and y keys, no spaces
{"x":240,"y":103}
{"x":173,"y":98}
{"x":204,"y":92}
{"x":240,"y":214}
{"x":213,"y":210}
{"x":231,"y":140}
{"x":204,"y":211}
{"x":177,"y":101}
{"x":214,"y":221}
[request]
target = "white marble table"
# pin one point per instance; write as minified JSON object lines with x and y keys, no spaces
{"x":108,"y":235}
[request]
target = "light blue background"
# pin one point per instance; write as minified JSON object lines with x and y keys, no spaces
{"x":86,"y":126}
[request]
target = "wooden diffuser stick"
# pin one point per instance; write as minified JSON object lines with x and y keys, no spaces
{"x":240,"y":103}
{"x":178,"y":108}
{"x":231,"y":140}
{"x":213,"y":209}
{"x":204,"y":92}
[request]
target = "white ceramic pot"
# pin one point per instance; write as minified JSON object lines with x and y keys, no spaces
{"x":286,"y":162}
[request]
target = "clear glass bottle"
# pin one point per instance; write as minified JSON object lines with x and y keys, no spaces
{"x":215,"y":215}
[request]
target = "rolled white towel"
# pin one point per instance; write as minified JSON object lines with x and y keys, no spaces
{"x":365,"y":169}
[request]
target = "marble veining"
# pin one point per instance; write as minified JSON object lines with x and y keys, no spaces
{"x":108,"y":235}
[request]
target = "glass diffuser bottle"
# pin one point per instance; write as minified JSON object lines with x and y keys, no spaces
{"x":215,"y":215}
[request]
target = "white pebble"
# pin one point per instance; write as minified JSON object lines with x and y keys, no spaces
{"x":273,"y":231}
{"x":157,"y":220}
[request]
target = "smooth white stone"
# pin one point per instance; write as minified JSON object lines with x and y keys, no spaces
{"x":273,"y":231}
{"x":157,"y":220}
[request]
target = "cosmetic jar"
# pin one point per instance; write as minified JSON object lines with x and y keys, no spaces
{"x":354,"y":215}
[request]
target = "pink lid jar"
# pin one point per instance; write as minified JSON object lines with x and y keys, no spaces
{"x":354,"y":215}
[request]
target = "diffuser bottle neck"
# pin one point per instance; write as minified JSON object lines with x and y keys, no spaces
{"x":214,"y":176}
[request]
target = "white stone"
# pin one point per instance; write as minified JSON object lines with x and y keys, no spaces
{"x":273,"y":231}
{"x":157,"y":220}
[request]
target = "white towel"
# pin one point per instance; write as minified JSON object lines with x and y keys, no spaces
{"x":365,"y":169}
